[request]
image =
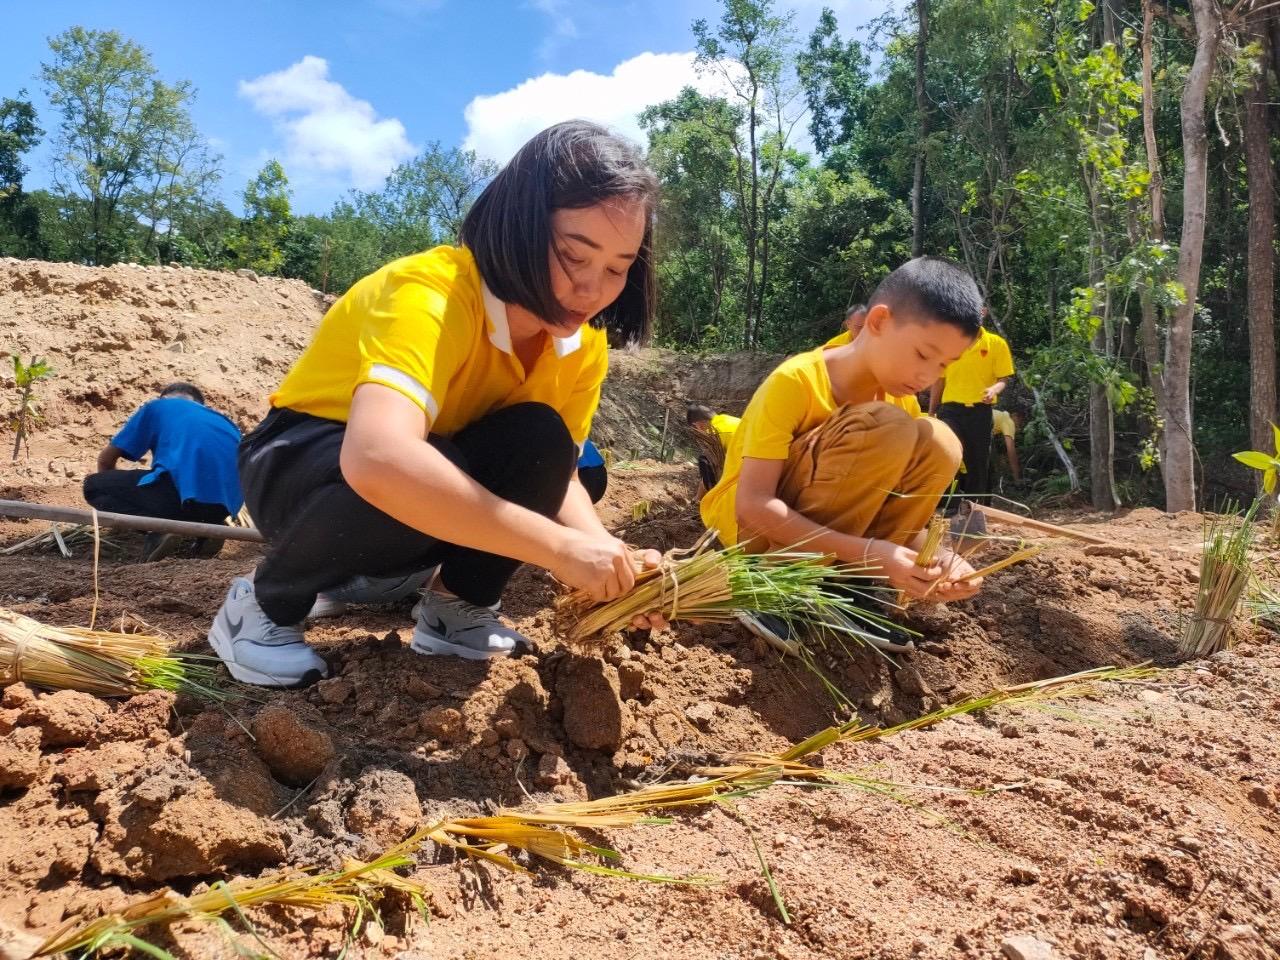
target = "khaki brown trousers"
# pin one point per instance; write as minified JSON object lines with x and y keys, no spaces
{"x":871,"y":470}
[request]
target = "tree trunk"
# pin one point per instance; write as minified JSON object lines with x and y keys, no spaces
{"x":1150,"y":329}
{"x":922,"y":112}
{"x":1262,"y":222}
{"x":1179,"y":467}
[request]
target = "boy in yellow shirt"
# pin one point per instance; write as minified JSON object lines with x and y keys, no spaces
{"x":968,"y":390}
{"x":819,"y":459}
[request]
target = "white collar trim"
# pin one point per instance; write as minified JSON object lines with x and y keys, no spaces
{"x":500,"y":327}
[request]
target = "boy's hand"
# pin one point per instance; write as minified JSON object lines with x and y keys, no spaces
{"x":653,"y":620}
{"x":898,"y":565}
{"x":955,"y":584}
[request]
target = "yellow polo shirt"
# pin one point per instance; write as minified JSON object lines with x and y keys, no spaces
{"x":908,"y":403}
{"x":429,"y":328}
{"x":793,"y":399}
{"x":987,"y":361}
{"x":725,"y":426}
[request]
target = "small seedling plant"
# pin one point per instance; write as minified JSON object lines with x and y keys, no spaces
{"x":27,"y":415}
{"x":1269,"y":465}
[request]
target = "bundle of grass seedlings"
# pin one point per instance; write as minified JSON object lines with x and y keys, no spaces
{"x":704,"y":585}
{"x":1225,"y":574}
{"x":101,"y":662}
{"x":709,"y":445}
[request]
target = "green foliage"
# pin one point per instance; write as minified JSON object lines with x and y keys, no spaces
{"x":26,"y":415}
{"x":259,"y":242}
{"x":1268,"y":463}
{"x":18,"y":216}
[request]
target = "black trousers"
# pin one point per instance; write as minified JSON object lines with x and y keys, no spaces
{"x":972,"y":424}
{"x":322,"y":533}
{"x":117,"y":491}
{"x":595,"y":480}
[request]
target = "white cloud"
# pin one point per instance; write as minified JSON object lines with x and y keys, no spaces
{"x":563,"y":26}
{"x":326,"y":130}
{"x":498,"y":124}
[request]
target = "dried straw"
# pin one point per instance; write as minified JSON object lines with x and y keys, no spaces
{"x":709,"y":445}
{"x":1225,"y":574}
{"x":928,"y":553}
{"x":101,"y":662}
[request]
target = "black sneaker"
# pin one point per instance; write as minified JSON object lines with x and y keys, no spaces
{"x":157,"y":546}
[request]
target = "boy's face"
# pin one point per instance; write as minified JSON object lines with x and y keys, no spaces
{"x":906,"y":355}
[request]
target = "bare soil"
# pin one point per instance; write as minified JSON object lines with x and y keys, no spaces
{"x":1137,"y":821}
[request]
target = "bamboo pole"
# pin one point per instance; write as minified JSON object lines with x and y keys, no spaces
{"x":126,"y":521}
{"x":1013,"y":519}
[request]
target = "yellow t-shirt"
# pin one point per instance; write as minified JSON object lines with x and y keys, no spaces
{"x":793,"y":399}
{"x":908,"y":403}
{"x":977,"y":368}
{"x":1002,"y":424}
{"x":428,"y":327}
{"x":725,"y":426}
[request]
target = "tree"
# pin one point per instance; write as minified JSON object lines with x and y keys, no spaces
{"x":1179,"y":459}
{"x":922,"y":128}
{"x":833,"y":73}
{"x":258,"y":244}
{"x":116,"y":114}
{"x":1261,"y":266}
{"x":19,"y":222}
{"x":749,"y":50}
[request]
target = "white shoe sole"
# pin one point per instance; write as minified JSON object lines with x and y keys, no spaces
{"x":247,"y":674}
{"x":429,"y":645}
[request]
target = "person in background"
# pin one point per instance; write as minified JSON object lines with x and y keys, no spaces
{"x":1004,"y":423}
{"x":705,"y":420}
{"x":968,"y":390}
{"x":192,"y":476}
{"x":592,"y":473}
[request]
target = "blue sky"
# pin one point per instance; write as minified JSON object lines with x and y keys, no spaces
{"x":340,"y":91}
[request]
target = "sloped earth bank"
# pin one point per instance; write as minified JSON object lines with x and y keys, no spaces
{"x":1139,"y":821}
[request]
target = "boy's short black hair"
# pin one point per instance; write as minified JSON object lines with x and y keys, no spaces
{"x":936,"y":287}
{"x":698,"y":412}
{"x":856,"y":308}
{"x":570,"y":165}
{"x":184,"y":389}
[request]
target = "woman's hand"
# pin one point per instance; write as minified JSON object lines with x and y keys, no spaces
{"x":598,"y":564}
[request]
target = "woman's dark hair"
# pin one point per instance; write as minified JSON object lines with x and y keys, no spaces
{"x":571,"y":165}
{"x":184,"y":389}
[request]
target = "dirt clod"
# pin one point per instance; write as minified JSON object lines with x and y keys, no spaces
{"x":594,"y":714}
{"x":384,"y":809}
{"x":19,"y":758}
{"x":1026,"y":947}
{"x":67,"y":718}
{"x":293,"y":749}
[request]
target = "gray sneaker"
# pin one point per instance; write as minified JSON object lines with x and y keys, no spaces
{"x":449,"y":626}
{"x":368,"y":591}
{"x":258,"y":650}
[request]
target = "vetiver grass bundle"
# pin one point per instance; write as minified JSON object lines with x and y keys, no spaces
{"x":705,"y":585}
{"x":928,"y":553}
{"x":1224,"y":576}
{"x":101,"y":662}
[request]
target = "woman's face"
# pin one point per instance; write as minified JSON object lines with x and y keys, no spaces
{"x":592,"y":250}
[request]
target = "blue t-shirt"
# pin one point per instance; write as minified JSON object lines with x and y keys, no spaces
{"x":590,"y":456}
{"x":194,"y":445}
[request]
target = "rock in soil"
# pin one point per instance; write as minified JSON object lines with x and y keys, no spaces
{"x":594,"y":714}
{"x":294,"y":750}
{"x":1025,"y":947}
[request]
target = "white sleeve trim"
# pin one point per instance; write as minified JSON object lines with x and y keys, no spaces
{"x":392,"y":377}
